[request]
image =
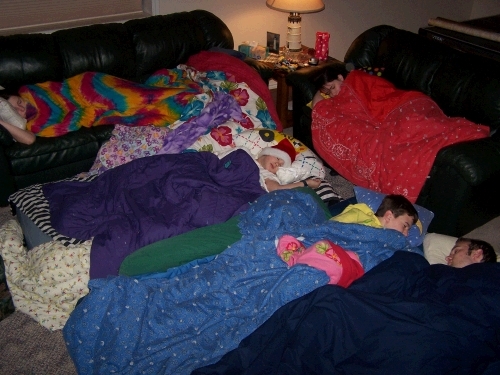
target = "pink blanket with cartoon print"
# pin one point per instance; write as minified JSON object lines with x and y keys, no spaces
{"x":383,"y":138}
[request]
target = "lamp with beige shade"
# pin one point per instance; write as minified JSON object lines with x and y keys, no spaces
{"x":295,"y":8}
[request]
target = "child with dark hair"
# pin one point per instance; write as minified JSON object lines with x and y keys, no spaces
{"x":395,"y":212}
{"x":327,"y":84}
{"x":469,"y":251}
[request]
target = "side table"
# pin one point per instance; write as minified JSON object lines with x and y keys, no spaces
{"x":282,"y":89}
{"x":282,"y":92}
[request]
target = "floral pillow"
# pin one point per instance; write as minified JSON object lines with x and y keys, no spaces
{"x":219,"y":140}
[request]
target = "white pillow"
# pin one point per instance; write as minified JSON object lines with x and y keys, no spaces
{"x":9,"y":114}
{"x":437,"y":247}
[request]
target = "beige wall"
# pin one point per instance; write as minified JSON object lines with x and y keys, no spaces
{"x":344,"y":20}
{"x":484,"y":8}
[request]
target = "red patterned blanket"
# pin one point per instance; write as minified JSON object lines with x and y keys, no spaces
{"x":383,"y":138}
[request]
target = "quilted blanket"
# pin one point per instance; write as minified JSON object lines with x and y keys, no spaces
{"x":47,"y":281}
{"x":239,"y":70}
{"x":174,"y":325}
{"x":150,"y":199}
{"x":383,"y":138}
{"x":403,"y":317}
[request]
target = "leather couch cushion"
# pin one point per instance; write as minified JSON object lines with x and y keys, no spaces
{"x":53,"y":152}
{"x":168,"y":40}
{"x":36,"y":61}
{"x":103,"y":48}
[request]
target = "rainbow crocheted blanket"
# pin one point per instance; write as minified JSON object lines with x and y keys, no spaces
{"x":92,"y":98}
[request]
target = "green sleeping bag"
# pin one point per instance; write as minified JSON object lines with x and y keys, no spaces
{"x":196,"y":244}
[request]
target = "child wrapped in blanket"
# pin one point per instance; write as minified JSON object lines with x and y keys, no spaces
{"x":51,"y":109}
{"x":270,"y":159}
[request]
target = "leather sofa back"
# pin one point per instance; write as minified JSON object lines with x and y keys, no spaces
{"x":132,"y":50}
{"x":449,"y":77}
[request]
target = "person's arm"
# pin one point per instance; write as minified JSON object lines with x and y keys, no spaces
{"x":272,"y":185}
{"x":20,"y":135}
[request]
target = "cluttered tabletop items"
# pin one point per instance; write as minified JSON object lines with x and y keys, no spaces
{"x":286,"y":60}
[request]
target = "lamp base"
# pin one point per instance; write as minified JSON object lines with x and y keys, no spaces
{"x":293,"y":36}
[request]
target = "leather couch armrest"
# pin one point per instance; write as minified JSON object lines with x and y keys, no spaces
{"x":6,"y":138}
{"x":462,"y":187}
{"x":7,"y":186}
{"x":475,"y":161}
{"x":264,"y":69}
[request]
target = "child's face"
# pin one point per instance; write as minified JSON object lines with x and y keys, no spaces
{"x":19,"y":105}
{"x":402,"y":223}
{"x":271,"y":163}
{"x":459,"y":256}
{"x":332,"y":88}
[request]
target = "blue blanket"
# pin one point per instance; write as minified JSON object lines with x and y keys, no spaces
{"x":174,"y":325}
{"x":403,"y":317}
{"x":150,"y":199}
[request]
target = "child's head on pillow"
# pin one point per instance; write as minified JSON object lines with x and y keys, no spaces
{"x":396,"y":212}
{"x":416,"y":234}
{"x":283,"y":151}
{"x":13,"y":110}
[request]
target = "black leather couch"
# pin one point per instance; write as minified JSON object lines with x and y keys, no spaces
{"x":462,"y":187}
{"x":132,"y":50}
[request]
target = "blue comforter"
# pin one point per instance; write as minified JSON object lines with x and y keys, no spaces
{"x":403,"y":317}
{"x":174,"y":325}
{"x":150,"y":199}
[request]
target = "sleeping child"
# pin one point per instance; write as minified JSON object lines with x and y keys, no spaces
{"x":395,"y":212}
{"x":270,"y":159}
{"x":13,"y":118}
{"x":344,"y":266}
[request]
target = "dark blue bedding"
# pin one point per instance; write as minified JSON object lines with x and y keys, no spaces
{"x":402,"y":317}
{"x":150,"y":199}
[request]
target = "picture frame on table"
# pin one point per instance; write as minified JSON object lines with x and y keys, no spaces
{"x":273,"y":42}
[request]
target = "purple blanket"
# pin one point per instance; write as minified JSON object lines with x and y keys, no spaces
{"x":151,"y":199}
